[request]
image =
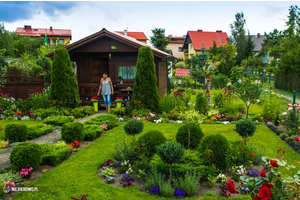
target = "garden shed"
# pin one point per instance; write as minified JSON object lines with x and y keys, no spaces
{"x":115,"y":53}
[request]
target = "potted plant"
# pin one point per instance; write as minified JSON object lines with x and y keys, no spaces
{"x":208,"y":82}
{"x":95,"y":100}
{"x":119,"y":101}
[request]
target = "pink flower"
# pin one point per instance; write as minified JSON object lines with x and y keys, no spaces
{"x":290,"y":108}
{"x":290,"y":105}
{"x":284,"y":113}
{"x":298,"y":108}
{"x":222,"y":115}
{"x":30,"y":168}
{"x":104,"y":126}
{"x":295,"y":105}
{"x":297,"y":139}
{"x":152,"y":115}
{"x":133,"y":117}
{"x":30,"y":113}
{"x":12,"y":184}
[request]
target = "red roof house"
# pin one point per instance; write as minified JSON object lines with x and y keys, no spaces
{"x":182,"y":72}
{"x":140,"y":36}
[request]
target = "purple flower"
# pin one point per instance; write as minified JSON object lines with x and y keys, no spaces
{"x":1,"y":108}
{"x":154,"y":190}
{"x":247,"y":190}
{"x":179,"y":193}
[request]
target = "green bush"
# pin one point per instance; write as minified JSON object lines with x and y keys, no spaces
{"x":173,"y":114}
{"x":108,"y":119}
{"x":72,"y":131}
{"x":166,"y":104}
{"x":25,"y":155}
{"x":141,"y":112}
{"x":92,"y":131}
{"x":245,"y":128}
{"x":54,"y":153}
{"x":145,"y":85}
{"x":118,"y":111}
{"x":133,"y":127}
{"x":52,"y":111}
{"x":259,"y":119}
{"x":58,"y":120}
{"x":201,"y":104}
{"x":38,"y":130}
{"x":231,"y":117}
{"x":150,"y":140}
{"x":64,"y":85}
{"x":82,"y":111}
{"x":207,"y":121}
{"x":128,"y":109}
{"x":219,"y":145}
{"x":196,"y":135}
{"x":126,"y":151}
{"x":16,"y":132}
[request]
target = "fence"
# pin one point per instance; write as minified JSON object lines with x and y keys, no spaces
{"x":17,"y":85}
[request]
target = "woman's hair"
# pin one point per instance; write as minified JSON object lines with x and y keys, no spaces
{"x":105,"y":73}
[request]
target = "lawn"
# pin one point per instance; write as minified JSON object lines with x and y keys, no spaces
{"x":77,"y":175}
{"x":4,"y":123}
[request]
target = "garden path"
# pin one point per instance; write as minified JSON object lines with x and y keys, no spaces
{"x":286,"y":95}
{"x":52,"y":137}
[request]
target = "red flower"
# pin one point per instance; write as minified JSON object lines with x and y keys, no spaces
{"x":263,"y":173}
{"x":266,"y":184}
{"x":242,"y":182}
{"x":230,"y":187}
{"x":256,"y":198}
{"x":95,"y":97}
{"x":273,"y":163}
{"x":264,"y":193}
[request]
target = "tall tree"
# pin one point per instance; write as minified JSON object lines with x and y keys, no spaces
{"x":64,"y":87}
{"x":159,"y":39}
{"x":238,"y":37}
{"x":249,"y":47}
{"x":6,"y":42}
{"x":145,"y":84}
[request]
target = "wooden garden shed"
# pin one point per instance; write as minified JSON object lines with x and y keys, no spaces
{"x":112,"y":52}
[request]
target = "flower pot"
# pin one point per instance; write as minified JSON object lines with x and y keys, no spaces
{"x":119,"y":104}
{"x":95,"y":103}
{"x":208,"y":85}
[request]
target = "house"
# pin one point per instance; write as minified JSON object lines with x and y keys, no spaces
{"x":196,"y":41}
{"x":139,"y":36}
{"x":115,"y":53}
{"x":258,"y":41}
{"x":182,"y":72}
{"x":176,"y":45}
{"x":63,"y":36}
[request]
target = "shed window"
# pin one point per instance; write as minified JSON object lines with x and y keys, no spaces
{"x":126,"y":72}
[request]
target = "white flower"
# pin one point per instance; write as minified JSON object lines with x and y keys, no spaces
{"x":120,"y":119}
{"x":226,"y":122}
{"x":240,"y":81}
{"x":248,"y":103}
{"x":178,"y":121}
{"x":216,"y":107}
{"x":229,"y":84}
{"x":258,"y":100}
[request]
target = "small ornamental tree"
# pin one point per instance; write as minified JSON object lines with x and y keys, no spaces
{"x":133,"y":127}
{"x":248,"y":92}
{"x":64,"y":87}
{"x":201,"y":103}
{"x":145,"y":84}
{"x":170,"y":152}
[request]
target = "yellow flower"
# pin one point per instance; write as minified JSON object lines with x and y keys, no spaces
{"x":266,"y":90}
{"x":299,"y":127}
{"x":279,"y":96}
{"x":271,"y":90}
{"x":209,"y":114}
{"x":272,"y":93}
{"x":282,"y":95}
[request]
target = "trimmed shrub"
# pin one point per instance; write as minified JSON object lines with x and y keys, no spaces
{"x":92,"y":131}
{"x":82,"y":111}
{"x":133,"y":127}
{"x":52,"y":111}
{"x":145,"y":85}
{"x":219,"y":145}
{"x":54,"y":153}
{"x":259,"y":119}
{"x":207,"y":121}
{"x":64,"y":85}
{"x":16,"y":132}
{"x":170,"y":152}
{"x":150,"y":140}
{"x":58,"y":120}
{"x":245,"y":128}
{"x":143,"y":112}
{"x":72,"y":131}
{"x":38,"y":130}
{"x":196,"y":135}
{"x":118,"y":111}
{"x":201,"y":103}
{"x":25,"y":155}
{"x":108,"y":119}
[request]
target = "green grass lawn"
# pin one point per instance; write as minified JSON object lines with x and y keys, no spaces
{"x":77,"y":175}
{"x":4,"y":123}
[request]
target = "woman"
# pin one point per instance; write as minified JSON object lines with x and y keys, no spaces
{"x":107,"y":90}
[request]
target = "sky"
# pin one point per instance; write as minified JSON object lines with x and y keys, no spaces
{"x":176,"y":17}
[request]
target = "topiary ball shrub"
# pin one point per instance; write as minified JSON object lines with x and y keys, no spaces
{"x":25,"y":155}
{"x":245,"y":128}
{"x":196,"y":135}
{"x":133,"y":127}
{"x":16,"y":132}
{"x":150,"y":140}
{"x":219,"y":145}
{"x":72,"y":131}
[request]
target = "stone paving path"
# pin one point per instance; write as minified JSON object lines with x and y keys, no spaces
{"x":288,"y":97}
{"x":52,"y":137}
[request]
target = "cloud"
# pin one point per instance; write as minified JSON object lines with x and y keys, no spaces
{"x":20,"y":10}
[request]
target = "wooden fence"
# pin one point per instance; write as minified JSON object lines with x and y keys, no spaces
{"x":18,"y":85}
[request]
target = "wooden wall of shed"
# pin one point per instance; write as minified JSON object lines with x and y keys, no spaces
{"x":162,"y":77}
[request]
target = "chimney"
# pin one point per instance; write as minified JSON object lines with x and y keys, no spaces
{"x":27,"y":26}
{"x":258,"y":35}
{"x":219,"y":31}
{"x":125,"y":32}
{"x":199,"y":30}
{"x":50,"y":28}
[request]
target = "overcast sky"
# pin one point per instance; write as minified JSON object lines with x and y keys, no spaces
{"x":177,"y":17}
